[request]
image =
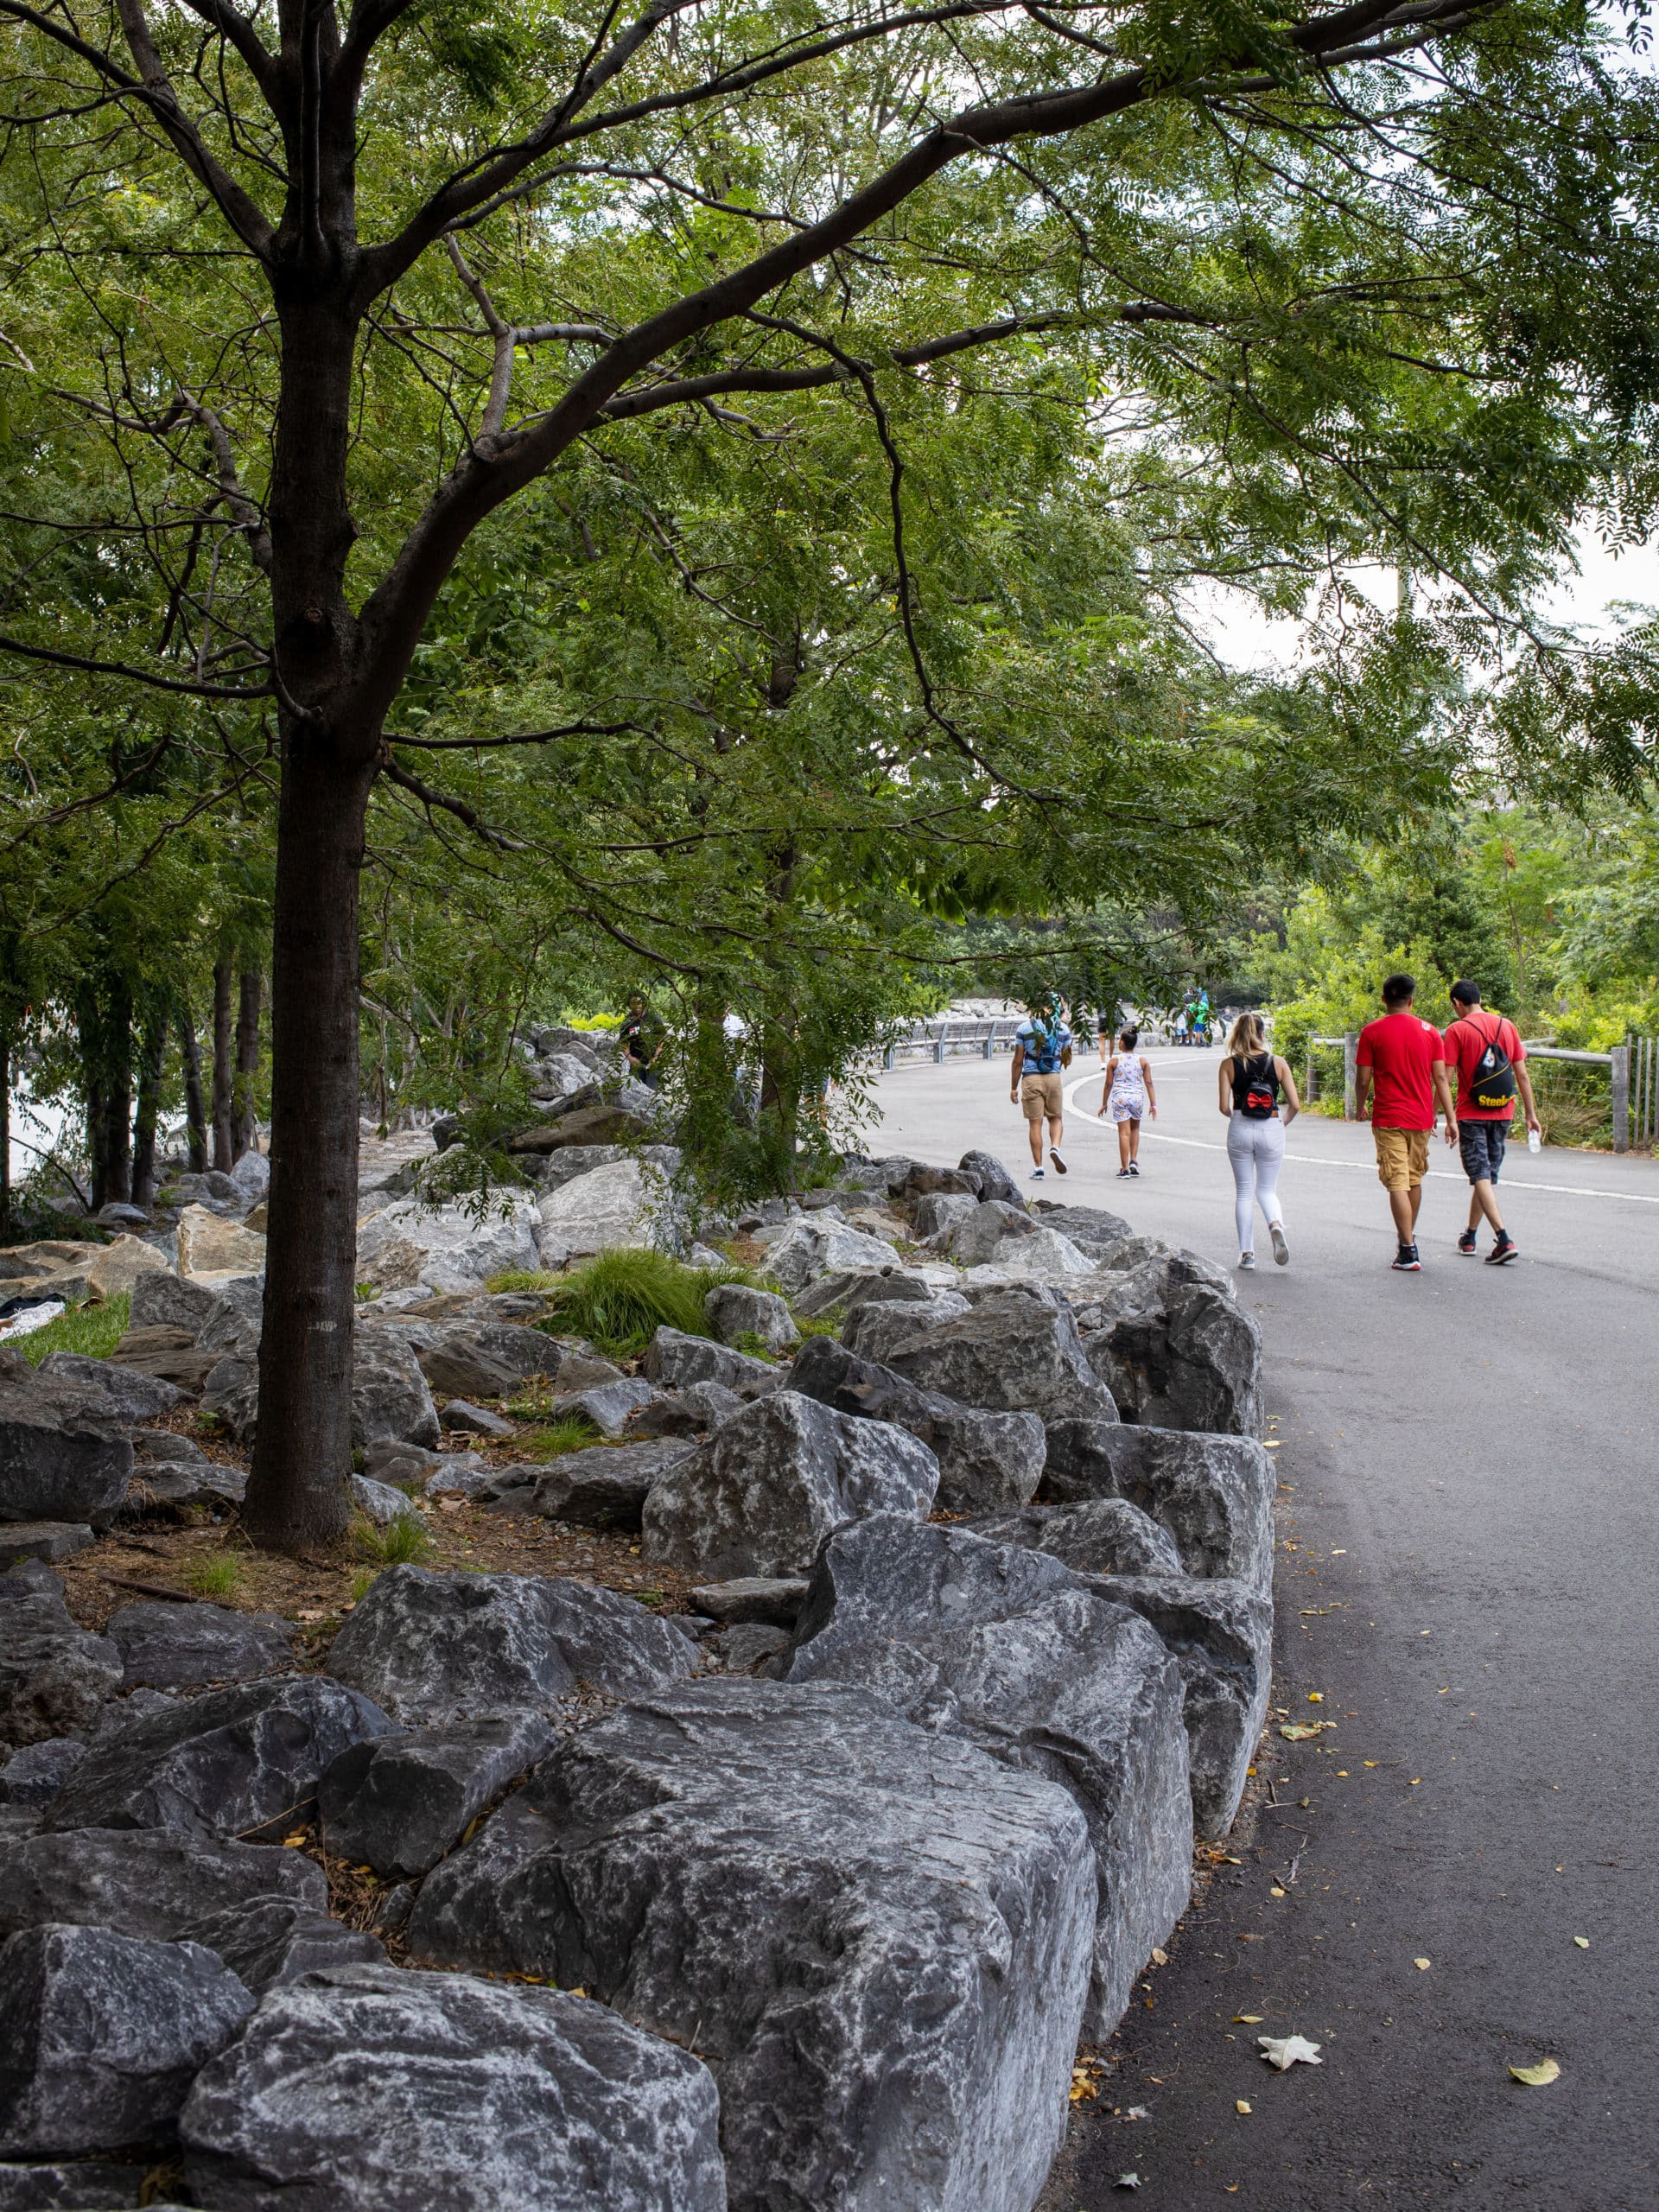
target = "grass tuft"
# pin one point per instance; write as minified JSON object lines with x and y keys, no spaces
{"x":220,"y":1574}
{"x":749,"y":1341}
{"x":619,"y":1299}
{"x":362,"y":1582}
{"x":570,"y":1433}
{"x":819,"y":1324}
{"x":523,"y":1279}
{"x":92,"y":1330}
{"x":403,"y":1540}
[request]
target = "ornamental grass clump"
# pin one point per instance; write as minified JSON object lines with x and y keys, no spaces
{"x":618,"y":1299}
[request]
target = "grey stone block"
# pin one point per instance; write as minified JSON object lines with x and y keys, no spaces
{"x":774,"y":1599}
{"x":1194,"y":1362}
{"x":734,"y":1310}
{"x":776,"y":1873}
{"x":168,"y":1647}
{"x":488,"y":1360}
{"x":608,"y":1405}
{"x":20,"y":1540}
{"x":674,"y":1360}
{"x":605,"y":1487}
{"x":473,"y":1420}
{"x":1095,"y":1535}
{"x":1214,"y":1494}
{"x":77,"y":2185}
{"x":399,"y":1802}
{"x":145,"y":1882}
{"x":273,"y":1940}
{"x":54,"y":1677}
{"x":875,"y":1327}
{"x":365,"y":2089}
{"x":63,"y":1456}
{"x":127,"y":1396}
{"x":34,"y":1776}
{"x":1012,"y":1353}
{"x":390,"y":1397}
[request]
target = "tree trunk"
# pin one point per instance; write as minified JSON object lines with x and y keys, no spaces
{"x":243,"y":1118}
{"x":224,"y":1156}
{"x":152,"y":1045}
{"x":195,"y":1121}
{"x":5,"y":1136}
{"x":296,"y":1491}
{"x":105,"y":1020}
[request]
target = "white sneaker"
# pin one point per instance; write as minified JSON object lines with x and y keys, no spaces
{"x":1281,"y":1249}
{"x":1036,"y":1174}
{"x":1247,"y":1261}
{"x":1059,"y":1165}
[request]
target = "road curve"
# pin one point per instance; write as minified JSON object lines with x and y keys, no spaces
{"x":1466,"y":1582}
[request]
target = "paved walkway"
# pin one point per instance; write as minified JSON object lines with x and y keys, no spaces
{"x":1467,"y":1580}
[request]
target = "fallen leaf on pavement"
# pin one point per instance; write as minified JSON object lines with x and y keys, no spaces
{"x":1160,"y":1958}
{"x":1583,"y":1943}
{"x":1539,"y":2076}
{"x":1275,"y":1891}
{"x":1298,"y":1731}
{"x":1250,"y":2019}
{"x":1284,"y":2051}
{"x":1423,"y":1965}
{"x":1241,"y":2106}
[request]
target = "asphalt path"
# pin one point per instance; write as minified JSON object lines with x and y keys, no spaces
{"x":1466,"y":1587}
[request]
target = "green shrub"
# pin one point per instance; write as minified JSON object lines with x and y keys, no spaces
{"x":570,"y":1433}
{"x":621,"y":1299}
{"x":218,"y":1575}
{"x":404,"y":1540}
{"x":93,"y":1329}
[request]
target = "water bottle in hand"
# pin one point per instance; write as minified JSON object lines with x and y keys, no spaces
{"x":1534,"y":1142}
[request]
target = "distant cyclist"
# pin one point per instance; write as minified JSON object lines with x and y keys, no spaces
{"x":1042,"y":1047}
{"x":1129,"y":1096}
{"x":1251,"y":1082}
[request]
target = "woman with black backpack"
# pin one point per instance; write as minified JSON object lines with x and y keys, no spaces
{"x":1251,"y":1082}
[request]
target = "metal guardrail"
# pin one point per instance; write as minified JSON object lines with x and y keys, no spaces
{"x":941,"y":1039}
{"x":1634,"y":1114}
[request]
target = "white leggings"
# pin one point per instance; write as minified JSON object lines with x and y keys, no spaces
{"x":1256,"y":1150}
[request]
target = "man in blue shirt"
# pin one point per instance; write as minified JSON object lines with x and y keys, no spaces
{"x":1042,"y":1046}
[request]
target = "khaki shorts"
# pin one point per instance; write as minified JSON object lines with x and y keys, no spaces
{"x":1401,"y":1157}
{"x":1041,"y":1096}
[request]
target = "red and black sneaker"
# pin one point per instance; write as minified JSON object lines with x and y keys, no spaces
{"x":1407,"y":1261}
{"x":1503,"y":1251}
{"x":1466,"y":1243}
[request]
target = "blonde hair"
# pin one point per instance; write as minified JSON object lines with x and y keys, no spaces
{"x":1249,"y":1036}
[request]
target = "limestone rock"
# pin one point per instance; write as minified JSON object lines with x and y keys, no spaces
{"x":689,"y":1412}
{"x":77,"y":2185}
{"x":626,"y":1203}
{"x":380,"y":1503}
{"x":251,"y":1176}
{"x":488,"y":1360}
{"x":175,"y":1488}
{"x":1220,"y":1635}
{"x":432,"y":1647}
{"x":938,"y":1212}
{"x":734,"y":1310}
{"x":987,"y":1461}
{"x":633,"y":1114}
{"x":389,"y":1398}
{"x":225,"y":1763}
{"x":55,"y":1677}
{"x":1091,"y":1229}
{"x":610,"y":1405}
{"x":459,"y":1418}
{"x":126,"y":1395}
{"x":168,"y":1647}
{"x":858,"y":1286}
{"x":120,"y":1263}
{"x":810,"y":1248}
{"x":273,"y":1940}
{"x":1095,"y":1535}
{"x":674,"y":1361}
{"x":1194,"y":1363}
{"x":34,"y":1776}
{"x":399,"y":1802}
{"x":43,"y":1540}
{"x":101,"y":2036}
{"x":1010,"y":1650}
{"x":367,"y":2089}
{"x":1000,"y":1235}
{"x":605,"y":1487}
{"x":210,"y":1245}
{"x":447,"y":1248}
{"x":1214,"y":1494}
{"x":774,"y":1872}
{"x":774,"y":1599}
{"x":767,"y":1489}
{"x":62,"y":1456}
{"x":875,"y":1327}
{"x":990,"y":1176}
{"x":146,"y":1882}
{"x":1012,"y":1353}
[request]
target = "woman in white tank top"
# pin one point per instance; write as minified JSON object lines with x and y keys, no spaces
{"x":1251,"y":1081}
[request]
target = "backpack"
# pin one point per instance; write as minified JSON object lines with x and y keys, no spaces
{"x":1491,"y":1087}
{"x":1259,"y":1095}
{"x":1043,"y":1049}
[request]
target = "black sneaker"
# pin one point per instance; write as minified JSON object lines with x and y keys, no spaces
{"x":1504,"y":1250}
{"x":1122,"y":1174}
{"x":1407,"y":1261}
{"x":1134,"y":1167}
{"x":1466,"y":1243}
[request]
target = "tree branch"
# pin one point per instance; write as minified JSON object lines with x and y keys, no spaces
{"x":133,"y":674}
{"x":497,"y":839}
{"x":239,"y":208}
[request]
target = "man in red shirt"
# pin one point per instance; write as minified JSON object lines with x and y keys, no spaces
{"x":1403,"y":1057}
{"x":1477,"y":1045}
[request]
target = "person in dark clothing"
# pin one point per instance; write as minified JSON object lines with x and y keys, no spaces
{"x":643,"y":1039}
{"x":1485,"y":1051}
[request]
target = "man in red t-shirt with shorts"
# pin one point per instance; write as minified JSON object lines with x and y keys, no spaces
{"x":1486,"y":1097}
{"x":1402,"y":1057}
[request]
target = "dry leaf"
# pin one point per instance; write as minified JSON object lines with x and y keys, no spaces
{"x":1250,"y":2019}
{"x":1539,"y":2076}
{"x":1316,"y":1697}
{"x":1160,"y":1958}
{"x":1275,"y":1891}
{"x":1285,"y":2052}
{"x":1423,"y":1965}
{"x":1583,"y":1943}
{"x":1299,"y":1732}
{"x":1241,"y":2106}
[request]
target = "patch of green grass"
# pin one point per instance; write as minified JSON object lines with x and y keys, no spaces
{"x":753,"y":1345}
{"x":619,"y":1299}
{"x":367,"y":1292}
{"x":362,"y":1582}
{"x":819,"y":1324}
{"x":570,"y":1433}
{"x":523,"y":1279}
{"x":403,"y":1540}
{"x":94,"y":1330}
{"x":219,"y":1575}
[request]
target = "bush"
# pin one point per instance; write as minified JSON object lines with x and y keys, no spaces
{"x":92,"y":1330}
{"x":619,"y":1299}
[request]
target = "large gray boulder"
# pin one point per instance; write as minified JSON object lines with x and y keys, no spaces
{"x":101,"y":2036}
{"x":231,"y":1391}
{"x":1193,"y":1363}
{"x":170,"y":1647}
{"x":432,"y":1647}
{"x":767,"y":1489}
{"x":1220,"y":1635}
{"x":32,"y":1777}
{"x":987,"y":1462}
{"x":937,"y":1211}
{"x":127,"y":1396}
{"x":55,"y":1677}
{"x":273,"y":1940}
{"x":225,"y":1763}
{"x":840,"y":1294}
{"x":674,"y":1361}
{"x":70,"y":2185}
{"x":1094,"y":1535}
{"x":1091,"y":1229}
{"x":882,"y":1937}
{"x":689,"y":1412}
{"x":628,"y":1202}
{"x":990,"y":1176}
{"x":488,"y":1360}
{"x":1010,"y":1650}
{"x":399,"y":1802}
{"x":367,"y":2089}
{"x":608,"y":1406}
{"x":1213,"y":1494}
{"x":1013,"y":1352}
{"x":877,"y":1326}
{"x":606,"y":1488}
{"x":813,"y":1247}
{"x":447,"y":1248}
{"x":390,"y":1397}
{"x":734,"y":1310}
{"x":63,"y":1455}
{"x":146,"y":1882}
{"x":996,"y":1234}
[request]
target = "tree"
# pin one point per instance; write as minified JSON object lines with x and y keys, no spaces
{"x":345,"y":189}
